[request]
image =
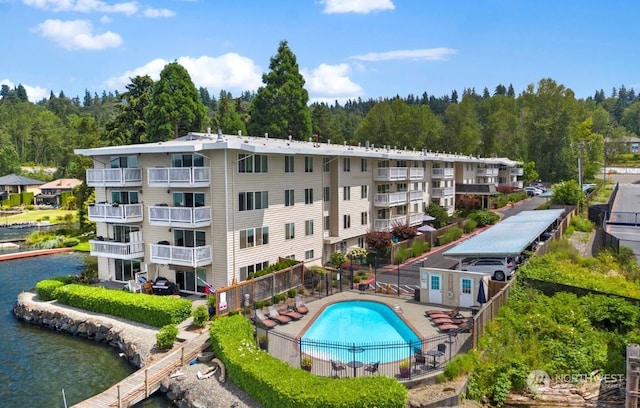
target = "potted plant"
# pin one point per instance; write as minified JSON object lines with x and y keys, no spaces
{"x":306,"y":363}
{"x":405,"y":367}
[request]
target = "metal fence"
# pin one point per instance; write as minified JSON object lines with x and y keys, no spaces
{"x":354,"y":359}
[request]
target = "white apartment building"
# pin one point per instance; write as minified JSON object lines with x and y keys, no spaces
{"x":213,"y":208}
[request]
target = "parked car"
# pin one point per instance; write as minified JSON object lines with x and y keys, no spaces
{"x":500,"y":268}
{"x":539,"y":186}
{"x":533,"y":191}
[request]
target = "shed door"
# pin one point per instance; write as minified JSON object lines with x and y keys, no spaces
{"x":466,"y":292}
{"x":435,"y":288}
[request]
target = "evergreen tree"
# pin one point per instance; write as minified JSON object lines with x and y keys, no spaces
{"x":175,"y":107}
{"x":280,"y":107}
{"x":226,"y":117}
{"x":130,"y":127}
{"x":21,"y":93}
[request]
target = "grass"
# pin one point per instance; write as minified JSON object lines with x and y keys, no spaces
{"x":55,"y":215}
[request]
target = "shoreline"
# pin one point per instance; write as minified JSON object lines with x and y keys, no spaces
{"x":37,"y":252}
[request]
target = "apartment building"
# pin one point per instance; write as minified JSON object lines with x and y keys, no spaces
{"x":213,"y":208}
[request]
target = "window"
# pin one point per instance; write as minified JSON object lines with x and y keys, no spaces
{"x":363,"y":164}
{"x":362,"y":242}
{"x":124,"y":162}
{"x":325,"y":164}
{"x":327,"y":193}
{"x":364,"y":191}
{"x":251,"y":200}
{"x":124,"y":197}
{"x":401,"y":187}
{"x":308,"y":164}
{"x":247,"y":272}
{"x":466,"y":286}
{"x":187,"y":160}
{"x":364,"y":218}
{"x":383,"y":188}
{"x":401,"y":163}
{"x":188,"y":199}
{"x":346,"y":164}
{"x":308,"y":196}
{"x":254,"y":237}
{"x":122,"y":233}
{"x":346,"y":193}
{"x":253,"y":163}
{"x":326,"y":221}
{"x":290,"y":230}
{"x":435,"y":282}
{"x":289,"y":198}
{"x":308,"y":227}
{"x":308,"y":254}
{"x":188,"y":238}
{"x":288,"y":164}
{"x":346,"y":221}
{"x":401,"y":210}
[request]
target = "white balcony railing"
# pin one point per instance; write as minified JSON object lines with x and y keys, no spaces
{"x":416,"y":195}
{"x":188,"y":217}
{"x":486,"y":172}
{"x":390,"y":174}
{"x":442,"y":173}
{"x":178,"y":176}
{"x":387,"y":225}
{"x":416,"y":173}
{"x":117,"y":250}
{"x":415,"y":219}
{"x":389,"y":199}
{"x":179,"y":255}
{"x":439,"y":192}
{"x":115,"y":213}
{"x":118,"y":177}
{"x":516,"y":171}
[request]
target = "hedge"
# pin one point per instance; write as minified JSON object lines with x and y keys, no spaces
{"x":46,"y":289}
{"x":276,"y":384}
{"x":153,"y":310}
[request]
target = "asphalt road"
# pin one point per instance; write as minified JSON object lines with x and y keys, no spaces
{"x":409,"y":273}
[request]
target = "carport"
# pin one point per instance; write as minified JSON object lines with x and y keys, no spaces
{"x":508,"y":238}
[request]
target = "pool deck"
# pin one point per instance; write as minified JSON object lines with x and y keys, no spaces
{"x":412,"y":311}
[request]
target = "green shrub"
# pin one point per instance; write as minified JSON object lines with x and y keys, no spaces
{"x":46,"y":288}
{"x":70,"y":242}
{"x":275,"y":384}
{"x":419,"y":247}
{"x":401,"y":255}
{"x":484,"y":217}
{"x":469,"y":226}
{"x":166,"y":336}
{"x":581,"y":224}
{"x":453,"y":234}
{"x":200,"y":315}
{"x":291,"y":293}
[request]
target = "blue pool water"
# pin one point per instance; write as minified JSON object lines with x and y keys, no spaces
{"x":358,"y":330}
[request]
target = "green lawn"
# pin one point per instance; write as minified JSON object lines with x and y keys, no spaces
{"x":56,"y":215}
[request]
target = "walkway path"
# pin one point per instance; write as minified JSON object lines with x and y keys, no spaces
{"x":38,"y":252}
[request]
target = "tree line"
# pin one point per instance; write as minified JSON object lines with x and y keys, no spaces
{"x":544,"y":125}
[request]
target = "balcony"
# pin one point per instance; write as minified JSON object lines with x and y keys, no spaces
{"x":119,"y":177}
{"x":179,"y":255}
{"x":440,"y":192}
{"x":178,"y":176}
{"x":416,"y":195}
{"x":389,"y":199}
{"x":117,"y":250}
{"x":486,"y":172}
{"x":387,"y":225}
{"x":415,"y":219}
{"x":390,"y":174}
{"x":516,"y":171}
{"x":115,"y":213}
{"x":442,"y":173}
{"x":416,"y":173}
{"x":516,"y":184}
{"x":184,"y":217}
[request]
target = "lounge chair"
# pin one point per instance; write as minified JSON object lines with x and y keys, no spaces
{"x":300,"y":306}
{"x":337,"y":367}
{"x":291,"y":313}
{"x":274,"y":315}
{"x":451,"y":313}
{"x":266,"y":322}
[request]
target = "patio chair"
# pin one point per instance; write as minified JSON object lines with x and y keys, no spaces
{"x":133,"y":286}
{"x":274,"y":315}
{"x":441,"y":350}
{"x":291,"y":313}
{"x":266,"y":322}
{"x":418,"y":358}
{"x":300,"y":306}
{"x":336,"y":367}
{"x":372,"y":368}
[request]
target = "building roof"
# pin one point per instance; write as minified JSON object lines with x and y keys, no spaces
{"x":61,"y":184}
{"x":476,"y":189}
{"x":199,"y":142}
{"x":507,"y":238}
{"x":15,"y":180}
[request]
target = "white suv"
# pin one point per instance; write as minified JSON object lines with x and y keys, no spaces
{"x":500,"y":268}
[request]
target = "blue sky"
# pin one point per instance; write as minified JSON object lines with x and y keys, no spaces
{"x":344,"y":48}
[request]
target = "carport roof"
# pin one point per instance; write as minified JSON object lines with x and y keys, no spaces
{"x":507,"y":238}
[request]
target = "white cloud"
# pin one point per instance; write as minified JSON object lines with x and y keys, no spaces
{"x":331,"y":80}
{"x":230,"y":72}
{"x":356,"y":6}
{"x":105,"y":20}
{"x":430,"y":54}
{"x":84,"y":6}
{"x":77,"y":34}
{"x":155,"y":13}
{"x":34,"y":93}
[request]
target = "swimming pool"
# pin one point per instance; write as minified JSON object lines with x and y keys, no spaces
{"x":359,"y":330}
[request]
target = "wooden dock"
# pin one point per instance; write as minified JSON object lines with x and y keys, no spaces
{"x":144,"y":382}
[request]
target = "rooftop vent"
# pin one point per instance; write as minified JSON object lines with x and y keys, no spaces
{"x":289,"y":137}
{"x":266,"y":135}
{"x":219,"y":139}
{"x":208,"y":130}
{"x":366,"y":144}
{"x":239,"y":132}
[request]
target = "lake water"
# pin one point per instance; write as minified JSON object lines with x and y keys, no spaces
{"x":36,"y":364}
